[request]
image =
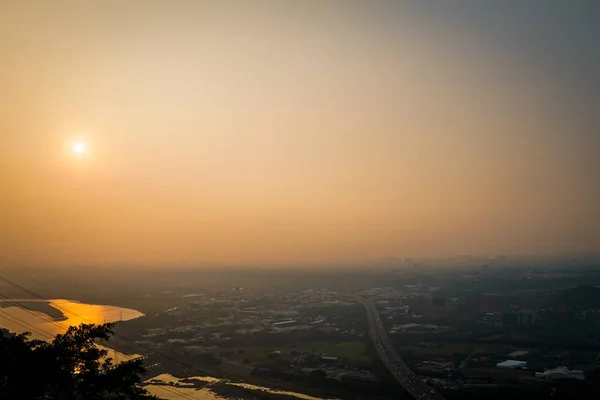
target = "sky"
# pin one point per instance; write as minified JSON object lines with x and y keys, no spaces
{"x":297,"y":132}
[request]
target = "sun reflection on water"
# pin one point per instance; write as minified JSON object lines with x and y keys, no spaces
{"x":41,"y":326}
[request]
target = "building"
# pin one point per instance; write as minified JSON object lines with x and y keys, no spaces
{"x":285,"y":324}
{"x":512,"y":364}
{"x":561,"y":373}
{"x":518,"y":353}
{"x":526,"y":318}
{"x":520,"y":318}
{"x":492,"y":317}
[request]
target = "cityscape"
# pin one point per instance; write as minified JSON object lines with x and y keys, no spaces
{"x":299,"y":200}
{"x":485,"y":327}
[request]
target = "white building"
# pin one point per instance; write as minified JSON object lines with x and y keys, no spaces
{"x":512,"y":364}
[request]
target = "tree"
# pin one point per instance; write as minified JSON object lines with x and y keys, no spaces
{"x":70,"y":367}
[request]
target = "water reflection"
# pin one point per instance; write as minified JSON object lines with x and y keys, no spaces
{"x":178,"y":393}
{"x":169,"y":393}
{"x":43,"y":327}
{"x":182,"y":392}
{"x":282,"y":392}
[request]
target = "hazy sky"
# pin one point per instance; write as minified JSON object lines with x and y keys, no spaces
{"x":297,"y":131}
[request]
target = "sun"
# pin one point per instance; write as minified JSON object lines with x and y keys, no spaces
{"x":78,"y":147}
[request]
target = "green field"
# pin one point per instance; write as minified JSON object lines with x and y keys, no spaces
{"x":353,"y":350}
{"x":257,"y":353}
{"x":443,"y":351}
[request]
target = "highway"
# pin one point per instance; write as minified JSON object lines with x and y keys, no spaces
{"x":399,"y":370}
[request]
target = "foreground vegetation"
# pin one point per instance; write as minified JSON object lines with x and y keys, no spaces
{"x":70,"y":367}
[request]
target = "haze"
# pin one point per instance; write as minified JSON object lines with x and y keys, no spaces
{"x":282,"y":133}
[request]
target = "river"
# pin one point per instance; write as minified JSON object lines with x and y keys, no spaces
{"x":182,"y":392}
{"x":43,"y":327}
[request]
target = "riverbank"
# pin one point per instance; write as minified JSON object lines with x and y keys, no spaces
{"x":45,"y":319}
{"x":213,"y":388}
{"x":34,"y":305}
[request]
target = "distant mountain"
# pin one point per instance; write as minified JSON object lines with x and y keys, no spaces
{"x":583,"y":297}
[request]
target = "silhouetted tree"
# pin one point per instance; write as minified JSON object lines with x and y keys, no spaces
{"x":70,"y":367}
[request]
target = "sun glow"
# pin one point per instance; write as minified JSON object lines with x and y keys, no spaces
{"x":78,"y":147}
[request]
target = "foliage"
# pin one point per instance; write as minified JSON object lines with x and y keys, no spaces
{"x":70,"y":367}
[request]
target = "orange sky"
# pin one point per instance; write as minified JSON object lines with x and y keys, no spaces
{"x":280,"y":134}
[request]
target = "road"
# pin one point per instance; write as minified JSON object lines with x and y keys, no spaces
{"x":397,"y":367}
